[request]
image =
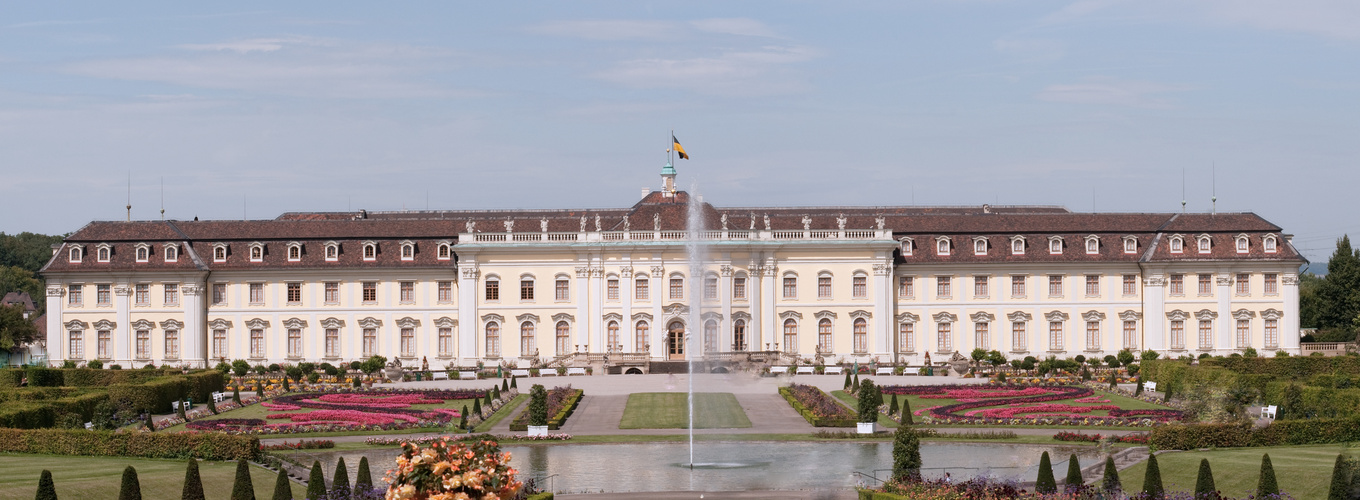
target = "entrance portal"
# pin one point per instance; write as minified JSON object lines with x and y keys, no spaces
{"x":675,"y":341}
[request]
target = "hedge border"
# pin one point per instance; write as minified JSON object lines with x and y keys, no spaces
{"x":807,"y":415}
{"x":554,"y":422}
{"x":201,"y":445}
{"x":1237,"y":435}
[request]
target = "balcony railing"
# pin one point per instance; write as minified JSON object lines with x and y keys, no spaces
{"x":616,"y":236}
{"x":1326,"y":348}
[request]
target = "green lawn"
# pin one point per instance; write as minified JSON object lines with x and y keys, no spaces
{"x":1304,"y":472}
{"x":665,"y":410}
{"x":100,"y":477}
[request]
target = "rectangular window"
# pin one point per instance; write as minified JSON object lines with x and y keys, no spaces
{"x":171,"y":294}
{"x":105,"y":340}
{"x":1130,"y":284}
{"x":257,"y":343}
{"x":561,"y":290}
{"x":943,"y":288}
{"x":294,"y":342}
{"x":1055,"y":286}
{"x":1244,"y":284}
{"x":103,"y":294}
{"x":143,"y":344}
{"x":493,"y":290}
{"x":906,"y":287}
{"x":980,"y":287}
{"x":295,"y":293}
{"x":219,"y":343}
{"x":370,"y":292}
{"x":332,"y":292}
{"x":143,"y":294}
{"x":790,"y":288}
{"x":526,"y":289}
{"x":408,"y":342}
{"x":332,"y":342}
{"x":1018,"y":287}
{"x":1271,"y":284}
{"x":824,"y":287}
{"x":219,"y":294}
{"x":710,"y":288}
{"x":257,"y":294}
{"x":1272,"y":333}
{"x":739,"y":288}
{"x":172,"y":344}
{"x":77,"y":344}
{"x":1092,"y":286}
{"x":1055,"y":336}
{"x":73,"y":297}
{"x":446,"y":341}
{"x":1093,"y":335}
{"x":824,"y":337}
{"x":612,"y":289}
{"x":1243,"y":333}
{"x":445,"y":291}
{"x":1130,"y":334}
{"x":677,"y":288}
{"x":1206,"y":284}
{"x":1177,"y":334}
{"x":861,"y":336}
{"x":1018,"y":336}
{"x":370,"y":345}
{"x":640,"y":289}
{"x":859,"y":287}
{"x":1177,"y":284}
{"x":944,"y":341}
{"x":906,"y":337}
{"x":407,"y":291}
{"x":1206,"y":334}
{"x":980,"y":331}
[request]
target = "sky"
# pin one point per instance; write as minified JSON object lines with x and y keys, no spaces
{"x":250,"y":109}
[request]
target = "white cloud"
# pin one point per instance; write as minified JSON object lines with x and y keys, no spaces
{"x":610,"y":29}
{"x":734,"y":26}
{"x":738,"y":73}
{"x":1110,"y":91}
{"x":252,"y":45}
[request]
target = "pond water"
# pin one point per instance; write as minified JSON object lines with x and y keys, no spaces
{"x":745,"y":465}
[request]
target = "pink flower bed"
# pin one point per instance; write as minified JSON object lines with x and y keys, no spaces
{"x":358,"y":417}
{"x":1092,"y":399}
{"x":372,"y":401}
{"x":972,"y":395}
{"x":1045,"y":410}
{"x":280,"y":406}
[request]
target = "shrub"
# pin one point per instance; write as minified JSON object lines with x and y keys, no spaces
{"x":282,"y":489}
{"x":1110,"y":483}
{"x":223,"y":366}
{"x":364,"y":480}
{"x":316,"y":483}
{"x":95,"y":363}
{"x":340,"y":479}
{"x":46,"y":490}
{"x":11,"y":377}
{"x":893,"y":407}
{"x":1152,"y":480}
{"x":44,"y":377}
{"x":115,"y":367}
{"x":817,"y":407}
{"x":1045,"y":483}
{"x":1341,"y":481}
{"x":130,"y":489}
{"x":906,"y":455}
{"x":906,"y":411}
{"x":1204,"y":482}
{"x":1073,"y":481}
{"x":477,"y":406}
{"x":193,"y":484}
{"x":868,"y":407}
{"x":538,"y":405}
{"x":1148,"y":355}
{"x":1267,"y":485}
{"x":207,"y":446}
{"x":240,"y":367}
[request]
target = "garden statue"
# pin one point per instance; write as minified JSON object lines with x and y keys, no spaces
{"x":393,"y":371}
{"x":753,"y":221}
{"x":724,"y":222}
{"x":583,"y":223}
{"x":807,"y":223}
{"x":840,"y":222}
{"x":543,"y":224}
{"x":597,"y":223}
{"x":509,"y":225}
{"x":424,"y":364}
{"x":959,"y":363}
{"x":929,"y":370}
{"x":656,"y":222}
{"x":767,"y":222}
{"x":626,"y":225}
{"x":470,"y":225}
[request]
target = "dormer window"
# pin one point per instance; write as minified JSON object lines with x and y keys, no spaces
{"x":408,"y":250}
{"x":143,"y":252}
{"x":219,"y":252}
{"x":294,"y":252}
{"x":1269,"y":244}
{"x":76,"y":254}
{"x":1243,"y":244}
{"x":171,"y":253}
{"x":370,"y":250}
{"x":1055,"y":245}
{"x":1017,"y":245}
{"x":980,"y":246}
{"x":1177,"y":244}
{"x":1130,"y":244}
{"x":332,"y":251}
{"x":942,"y":246}
{"x":103,"y":252}
{"x":257,"y":252}
{"x":1092,"y":245}
{"x":1204,"y":244}
{"x":906,"y":245}
{"x":444,"y":252}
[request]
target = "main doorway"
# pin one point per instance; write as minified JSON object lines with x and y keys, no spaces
{"x":675,"y":340}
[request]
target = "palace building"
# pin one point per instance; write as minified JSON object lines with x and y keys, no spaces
{"x":533,"y":286}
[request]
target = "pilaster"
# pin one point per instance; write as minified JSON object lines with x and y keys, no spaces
{"x":55,"y":331}
{"x":1224,"y":325}
{"x":769,"y":324}
{"x":193,"y":340}
{"x":725,"y":297}
{"x":1289,"y":323}
{"x":882,"y":320}
{"x":658,"y":331}
{"x":468,"y":323}
{"x":121,"y":336}
{"x":1154,"y":317}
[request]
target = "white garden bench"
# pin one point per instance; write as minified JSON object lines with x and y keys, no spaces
{"x":219,"y":397}
{"x":519,"y":373}
{"x":440,"y":376}
{"x":548,"y":372}
{"x":779,"y":369}
{"x":834,"y":370}
{"x":576,"y":371}
{"x":912,"y":370}
{"x":1269,"y":411}
{"x":805,"y":370}
{"x":1151,"y":386}
{"x":884,"y":370}
{"x":467,"y":375}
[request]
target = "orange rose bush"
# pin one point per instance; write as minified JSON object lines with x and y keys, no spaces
{"x":446,"y":470}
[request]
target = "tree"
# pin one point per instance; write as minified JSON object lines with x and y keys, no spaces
{"x":893,"y":408}
{"x":906,"y":454}
{"x":1111,"y":481}
{"x":340,"y":480}
{"x":477,"y":406}
{"x":1267,"y":484}
{"x":15,"y":330}
{"x":1073,"y":482}
{"x":538,"y":405}
{"x":28,"y":251}
{"x":1045,"y":483}
{"x":847,"y":381}
{"x":46,"y":490}
{"x":978,"y":355}
{"x":1337,"y":301}
{"x":193,"y":485}
{"x":242,"y":488}
{"x":16,"y":279}
{"x":1341,"y":480}
{"x":505,"y":386}
{"x":316,"y":483}
{"x":513,"y":384}
{"x":240,"y":367}
{"x":1152,"y":480}
{"x":131,"y":489}
{"x":363,"y":482}
{"x":1204,"y":483}
{"x":995,"y":358}
{"x":854,"y":384}
{"x":282,"y":489}
{"x":906,"y":411}
{"x":236,"y":394}
{"x":212,"y":407}
{"x":868,"y":410}
{"x":1138,"y":391}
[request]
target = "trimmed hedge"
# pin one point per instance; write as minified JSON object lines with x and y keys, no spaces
{"x":1294,"y":367}
{"x":38,"y":414}
{"x":11,"y":377}
{"x":44,"y":377}
{"x":44,"y":404}
{"x":154,"y":396}
{"x":520,"y":423}
{"x":205,"y":446}
{"x":1279,"y":433}
{"x":807,"y":415}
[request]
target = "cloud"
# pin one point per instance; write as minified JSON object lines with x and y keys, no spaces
{"x":734,"y":26}
{"x":252,"y":45}
{"x":607,"y":29}
{"x":1110,"y":91}
{"x":737,"y":73}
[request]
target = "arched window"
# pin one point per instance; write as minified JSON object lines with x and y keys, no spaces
{"x":1268,"y":244}
{"x":710,"y":336}
{"x":861,"y":335}
{"x":1130,"y":245}
{"x":1242,"y":244}
{"x":613,"y":337}
{"x":1204,"y":244}
{"x":527,"y":346}
{"x":1177,"y":244}
{"x":1055,"y":246}
{"x":563,"y":338}
{"x":294,"y":252}
{"x":790,"y":335}
{"x":256,"y":253}
{"x":103,"y":254}
{"x":76,"y":254}
{"x":143,"y":254}
{"x":219,"y":253}
{"x":942,"y":246}
{"x":739,"y":335}
{"x":824,"y":335}
{"x":444,"y":252}
{"x":370,"y":251}
{"x":1017,"y":246}
{"x":980,"y":247}
{"x":332,"y":251}
{"x":640,"y":343}
{"x":493,"y":339}
{"x":1092,"y":246}
{"x":171,"y":253}
{"x":408,"y":251}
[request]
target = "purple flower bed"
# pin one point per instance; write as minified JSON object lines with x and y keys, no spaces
{"x":356,"y":411}
{"x":1014,"y":407}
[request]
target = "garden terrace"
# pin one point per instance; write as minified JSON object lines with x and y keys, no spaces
{"x":345,"y":411}
{"x":817,"y":407}
{"x":1029,"y":405}
{"x":562,"y":402}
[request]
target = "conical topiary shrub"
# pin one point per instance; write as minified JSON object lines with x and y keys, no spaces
{"x":854,"y":384}
{"x":316,"y":483}
{"x":236,"y":394}
{"x":505,"y":385}
{"x":340,"y":480}
{"x":193,"y":485}
{"x":1267,"y":485}
{"x":131,"y":489}
{"x":477,"y":406}
{"x":1152,"y":480}
{"x":1045,"y":483}
{"x":1111,"y":481}
{"x":363,"y":481}
{"x":1204,"y":482}
{"x":242,"y":488}
{"x":906,"y":455}
{"x":1138,"y":391}
{"x":212,"y":407}
{"x":513,"y":384}
{"x":46,"y":490}
{"x":285,"y":384}
{"x":495,"y":392}
{"x":179,"y":411}
{"x":893,"y":408}
{"x":1341,"y":483}
{"x":847,"y":381}
{"x":282,"y":489}
{"x":487,"y":403}
{"x":906,"y":412}
{"x":868,"y":410}
{"x":1073,"y":480}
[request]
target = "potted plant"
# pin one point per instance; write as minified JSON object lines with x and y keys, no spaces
{"x":538,"y":411}
{"x":868,"y":407}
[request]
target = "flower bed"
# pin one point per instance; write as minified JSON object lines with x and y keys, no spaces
{"x":302,"y":444}
{"x":354,"y":410}
{"x":1095,"y":438}
{"x":562,"y":402}
{"x":818,"y":407}
{"x":1029,"y":405}
{"x":389,"y":441}
{"x":450,"y":470}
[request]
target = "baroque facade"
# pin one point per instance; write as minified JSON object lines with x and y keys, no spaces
{"x":848,"y":283}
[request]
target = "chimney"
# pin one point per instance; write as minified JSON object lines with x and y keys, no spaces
{"x":646,"y":191}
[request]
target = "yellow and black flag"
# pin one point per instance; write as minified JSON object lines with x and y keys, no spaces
{"x":678,"y":148}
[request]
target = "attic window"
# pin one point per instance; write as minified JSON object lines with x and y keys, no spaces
{"x":102,"y":255}
{"x":1130,"y":245}
{"x":220,"y":253}
{"x":1018,"y":245}
{"x":1055,"y":246}
{"x":408,"y":251}
{"x":444,"y":252}
{"x":77,"y":253}
{"x":171,"y":253}
{"x":332,"y":251}
{"x":906,"y":245}
{"x":942,"y":246}
{"x":294,"y":252}
{"x":1242,"y":244}
{"x":143,"y":252}
{"x":980,"y":247}
{"x":1092,"y":245}
{"x":1269,"y":244}
{"x":370,"y":251}
{"x":1204,"y":244}
{"x":1177,"y":244}
{"x":256,"y":252}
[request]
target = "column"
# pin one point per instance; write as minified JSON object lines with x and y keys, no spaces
{"x":755,"y":295}
{"x":55,"y":331}
{"x":658,"y":331}
{"x":1154,"y":317}
{"x":193,"y":340}
{"x":770,"y":283}
{"x":467,"y":313}
{"x":1224,"y":324}
{"x":627,"y":292}
{"x":883,"y":316}
{"x":725,"y":296}
{"x":1289,"y":323}
{"x":122,"y":331}
{"x":597,"y":300}
{"x":582,"y":336}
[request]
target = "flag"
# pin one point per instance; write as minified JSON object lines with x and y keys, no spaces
{"x":678,"y":148}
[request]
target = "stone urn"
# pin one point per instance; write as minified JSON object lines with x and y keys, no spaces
{"x":538,"y":430}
